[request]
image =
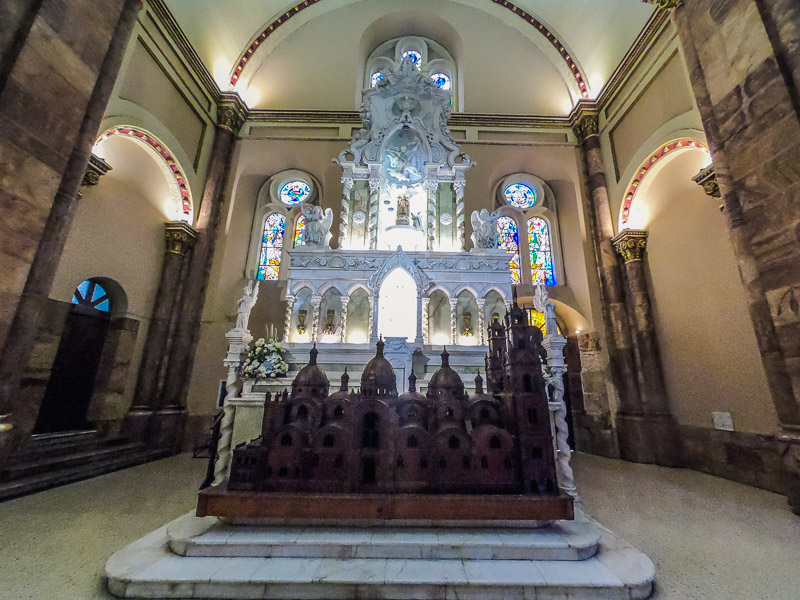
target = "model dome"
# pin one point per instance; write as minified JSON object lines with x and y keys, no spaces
{"x":378,"y":376}
{"x":446,"y":377}
{"x":311,"y":377}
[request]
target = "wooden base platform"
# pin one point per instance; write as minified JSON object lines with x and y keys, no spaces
{"x":220,"y":502}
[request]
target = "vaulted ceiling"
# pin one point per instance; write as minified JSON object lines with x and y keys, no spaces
{"x":530,"y":57}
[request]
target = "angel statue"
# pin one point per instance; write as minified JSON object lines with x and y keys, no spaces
{"x":245,"y":304}
{"x":484,"y":227}
{"x":542,"y":303}
{"x":318,"y":225}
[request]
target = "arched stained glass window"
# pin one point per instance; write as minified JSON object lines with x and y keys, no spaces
{"x":520,"y":195}
{"x":294,"y":192}
{"x":299,"y":231}
{"x":375,"y":79}
{"x":442,"y":80}
{"x":508,"y":240}
{"x":92,"y":295}
{"x":269,"y":259}
{"x":415,"y":57}
{"x":541,"y":249}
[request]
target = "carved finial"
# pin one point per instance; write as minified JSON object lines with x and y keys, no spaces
{"x":478,"y":384}
{"x":345,"y":380}
{"x":412,"y":382}
{"x":313,"y":355}
{"x":445,"y":357}
{"x":379,"y":347}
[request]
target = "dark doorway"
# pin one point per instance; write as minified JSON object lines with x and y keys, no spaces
{"x":368,"y":471}
{"x":69,"y":389}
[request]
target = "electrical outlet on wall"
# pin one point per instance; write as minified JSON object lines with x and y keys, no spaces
{"x":723,"y":421}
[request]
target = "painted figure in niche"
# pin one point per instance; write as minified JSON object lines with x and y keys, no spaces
{"x":245,"y":305}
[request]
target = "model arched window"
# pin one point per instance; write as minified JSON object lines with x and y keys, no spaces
{"x":299,"y":231}
{"x":541,"y":249}
{"x":269,"y":259}
{"x":92,"y":295}
{"x":508,"y":240}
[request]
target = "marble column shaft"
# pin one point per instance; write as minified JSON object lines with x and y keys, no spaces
{"x":344,"y":213}
{"x":622,"y":351}
{"x":482,"y":320}
{"x":343,"y":327}
{"x":38,"y":284}
{"x":426,"y":320}
{"x":287,"y":322}
{"x":316,"y":301}
{"x":453,"y":320}
{"x":372,"y":218}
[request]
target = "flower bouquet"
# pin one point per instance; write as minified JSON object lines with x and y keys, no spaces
{"x":264,"y":361}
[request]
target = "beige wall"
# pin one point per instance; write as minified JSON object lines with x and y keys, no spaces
{"x":711,"y":361}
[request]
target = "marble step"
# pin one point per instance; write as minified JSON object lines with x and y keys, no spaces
{"x":26,"y":465}
{"x":42,"y":481}
{"x":563,"y":541}
{"x":149,"y":569}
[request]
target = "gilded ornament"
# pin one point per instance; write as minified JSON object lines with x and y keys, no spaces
{"x":586,"y":126}
{"x":180,"y":237}
{"x":630,"y":244}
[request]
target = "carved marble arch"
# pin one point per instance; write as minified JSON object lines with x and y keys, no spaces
{"x":268,"y":203}
{"x":439,"y":318}
{"x":467,"y":319}
{"x":359,"y":315}
{"x":402,"y":260}
{"x":301,"y":321}
{"x":330,"y":316}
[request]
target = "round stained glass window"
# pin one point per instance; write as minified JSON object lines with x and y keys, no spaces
{"x":441,"y":79}
{"x":376,"y":78}
{"x":520,"y":195}
{"x":415,"y":57}
{"x":294,"y":192}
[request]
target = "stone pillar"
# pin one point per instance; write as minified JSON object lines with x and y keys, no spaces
{"x":420,"y":312}
{"x":592,"y":425}
{"x":453,"y":320}
{"x":344,"y":213}
{"x":287,"y":322}
{"x":70,"y":167}
{"x":482,"y":320}
{"x":631,"y":244}
{"x":373,"y":318}
{"x":431,"y":185}
{"x":316,"y":301}
{"x":343,"y":328}
{"x":372,"y":219}
{"x":230,"y":117}
{"x":458,"y":187}
{"x":180,"y":239}
{"x":426,"y":318}
{"x":633,"y":438}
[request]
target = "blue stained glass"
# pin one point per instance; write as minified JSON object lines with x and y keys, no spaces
{"x":541,"y":250}
{"x":92,"y":295}
{"x":105,"y":305}
{"x":376,"y":78}
{"x":415,"y":57}
{"x":508,"y":240}
{"x":299,"y":229}
{"x":294,"y":192}
{"x":442,"y":80}
{"x":83,"y":288}
{"x":520,"y":195}
{"x":269,"y":260}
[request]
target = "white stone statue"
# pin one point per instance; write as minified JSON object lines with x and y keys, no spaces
{"x":484,"y":227}
{"x":245,"y":305}
{"x":318,"y":225}
{"x":542,"y":303}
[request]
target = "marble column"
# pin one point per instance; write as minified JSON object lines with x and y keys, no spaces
{"x":631,"y":428}
{"x":372,"y":219}
{"x":420,"y":318}
{"x":373,"y":318}
{"x":171,"y":415}
{"x":482,"y":320}
{"x":316,"y":301}
{"x":458,"y":188}
{"x":453,"y":320}
{"x":344,"y":213}
{"x":431,"y":185}
{"x":343,"y":327}
{"x":38,"y":284}
{"x":287,"y":321}
{"x":426,"y":320}
{"x":180,"y":238}
{"x":630,"y":245}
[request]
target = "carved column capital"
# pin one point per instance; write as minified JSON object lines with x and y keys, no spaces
{"x":180,"y":237}
{"x":96,"y":168}
{"x":231,"y":112}
{"x":707,"y":179}
{"x":630,"y":244}
{"x":586,"y":125}
{"x":665,"y":4}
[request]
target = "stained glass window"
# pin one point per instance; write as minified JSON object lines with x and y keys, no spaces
{"x":415,"y":57}
{"x":269,"y":259}
{"x":541,"y":249}
{"x":376,"y":78}
{"x":520,"y":195}
{"x":92,"y":294}
{"x":299,"y":230}
{"x":442,"y":80}
{"x":294,"y":192}
{"x":508,"y":240}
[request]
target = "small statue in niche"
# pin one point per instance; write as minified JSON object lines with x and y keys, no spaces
{"x":245,"y":305}
{"x":402,"y":210}
{"x":318,"y":225}
{"x":416,"y":221}
{"x":301,"y":321}
{"x":329,"y":328}
{"x":467,"y":324}
{"x":484,"y":227}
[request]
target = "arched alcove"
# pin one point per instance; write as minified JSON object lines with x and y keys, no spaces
{"x":467,"y":319}
{"x":439,"y":318}
{"x":397,"y":305}
{"x":358,"y":309}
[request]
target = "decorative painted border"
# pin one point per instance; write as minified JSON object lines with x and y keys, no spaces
{"x":649,"y":163}
{"x":283,"y":18}
{"x":161,"y":149}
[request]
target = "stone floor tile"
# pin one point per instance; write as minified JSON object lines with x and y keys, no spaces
{"x":287,"y":570}
{"x":424,"y":571}
{"x":179,"y":568}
